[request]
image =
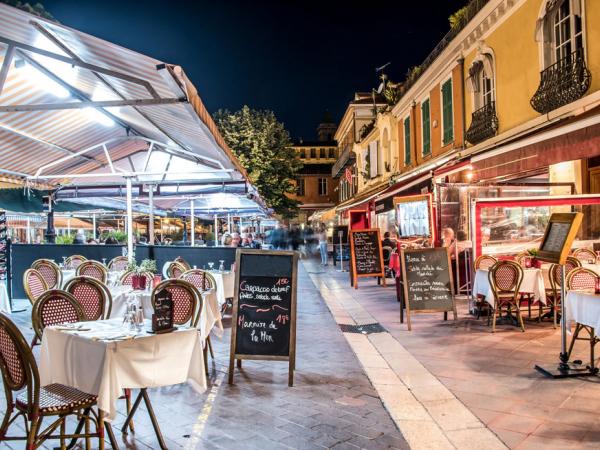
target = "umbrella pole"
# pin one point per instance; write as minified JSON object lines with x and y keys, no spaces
{"x":151,"y":218}
{"x":129,"y":221}
{"x":192,"y":224}
{"x":216,"y":231}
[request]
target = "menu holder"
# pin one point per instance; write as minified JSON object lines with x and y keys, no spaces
{"x":264,"y":308}
{"x":162,"y":319}
{"x":366,"y":255}
{"x":428,"y":282}
{"x":559,"y":236}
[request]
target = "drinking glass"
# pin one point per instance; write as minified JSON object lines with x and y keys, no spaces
{"x":104,"y":261}
{"x":211,"y":265}
{"x":221,"y":265}
{"x":64,"y":261}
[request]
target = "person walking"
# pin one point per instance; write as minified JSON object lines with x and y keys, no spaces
{"x":322,"y":236}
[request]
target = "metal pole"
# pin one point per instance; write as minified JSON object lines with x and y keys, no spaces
{"x":216,"y":231}
{"x":229,"y":230}
{"x":340,"y":233}
{"x":151,"y":218}
{"x":192,"y":224}
{"x":129,"y":221}
{"x":69,"y":225}
{"x":94,"y":225}
{"x":28,"y":230}
{"x":564,"y":357}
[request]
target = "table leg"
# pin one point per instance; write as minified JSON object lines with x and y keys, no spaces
{"x":131,"y":413}
{"x":159,"y":435}
{"x":82,"y":420}
{"x":111,"y":436}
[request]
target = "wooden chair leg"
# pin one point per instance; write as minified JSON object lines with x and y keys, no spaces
{"x":520,"y":317}
{"x":63,"y":431}
{"x":210,"y":349}
{"x":32,"y":435}
{"x":592,"y":344}
{"x":100,"y":430}
{"x":494,"y":318}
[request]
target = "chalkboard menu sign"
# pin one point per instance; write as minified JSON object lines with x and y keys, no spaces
{"x":559,"y":236}
{"x":427,"y":276}
{"x":366,"y":254}
{"x":162,"y":319}
{"x":264,"y":308}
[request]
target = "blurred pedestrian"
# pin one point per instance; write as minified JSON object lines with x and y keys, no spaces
{"x":322,"y":237}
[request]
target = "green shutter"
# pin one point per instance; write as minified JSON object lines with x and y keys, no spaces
{"x":407,"y":141}
{"x":426,"y":127}
{"x":448,"y":131}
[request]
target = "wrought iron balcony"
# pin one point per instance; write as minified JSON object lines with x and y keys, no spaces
{"x":484,"y":124}
{"x":562,"y":83}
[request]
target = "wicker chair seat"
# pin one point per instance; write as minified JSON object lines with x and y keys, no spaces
{"x":58,"y":398}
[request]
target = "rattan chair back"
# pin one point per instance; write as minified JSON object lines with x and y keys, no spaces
{"x":92,"y":295}
{"x":73,"y":261}
{"x":34,"y":284}
{"x":484,"y":262}
{"x":50,"y":271}
{"x":201,"y":279}
{"x":582,"y":279}
{"x":554,"y":274}
{"x":55,"y":307}
{"x":92,"y":269}
{"x":505,"y":278}
{"x":118,"y":263}
{"x":187,"y":301}
{"x":585,"y":255}
{"x":175,"y":270}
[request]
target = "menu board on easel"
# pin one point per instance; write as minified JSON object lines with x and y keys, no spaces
{"x":559,"y":236}
{"x":366,"y":255}
{"x":428,"y":286}
{"x":264,"y":308}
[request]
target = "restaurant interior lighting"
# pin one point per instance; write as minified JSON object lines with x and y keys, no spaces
{"x":41,"y":81}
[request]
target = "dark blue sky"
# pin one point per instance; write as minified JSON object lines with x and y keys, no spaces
{"x":297,"y":58}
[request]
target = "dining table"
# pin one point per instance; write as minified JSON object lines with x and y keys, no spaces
{"x":533,"y":283}
{"x":210,"y":314}
{"x":225,"y":281}
{"x":107,"y":356}
{"x":69,"y":274}
{"x":583,"y":307}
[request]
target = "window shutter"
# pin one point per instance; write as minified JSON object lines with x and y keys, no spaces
{"x":373,"y":159}
{"x":448,"y":132}
{"x":407,"y":141}
{"x":426,"y":127}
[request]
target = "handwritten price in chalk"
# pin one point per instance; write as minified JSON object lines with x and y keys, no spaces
{"x":282,"y":282}
{"x":283,"y":318}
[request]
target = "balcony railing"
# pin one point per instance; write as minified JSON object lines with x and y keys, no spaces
{"x":484,"y":124}
{"x":562,"y":83}
{"x":346,"y":158}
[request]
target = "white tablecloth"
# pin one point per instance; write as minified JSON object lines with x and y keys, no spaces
{"x":225,"y":285}
{"x":67,"y":275}
{"x":4,"y":300}
{"x":105,"y":368}
{"x":210,"y":316}
{"x":533,"y":283}
{"x":583,"y":308}
{"x":594,"y":267}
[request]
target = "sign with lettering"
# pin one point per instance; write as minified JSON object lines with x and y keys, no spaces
{"x":559,"y":236}
{"x":162,"y":319}
{"x":427,"y":277}
{"x":366,"y":254}
{"x":264,"y":308}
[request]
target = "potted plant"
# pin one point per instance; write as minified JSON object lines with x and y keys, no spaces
{"x":533,"y":252}
{"x":138,"y":279}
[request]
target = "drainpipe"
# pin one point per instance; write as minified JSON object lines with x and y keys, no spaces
{"x":461,"y":63}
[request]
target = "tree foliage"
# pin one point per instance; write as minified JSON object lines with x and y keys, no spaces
{"x":263,"y":147}
{"x":37,"y":9}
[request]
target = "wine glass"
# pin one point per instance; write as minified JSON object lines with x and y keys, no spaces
{"x":221,"y":265}
{"x":211,"y":265}
{"x":65,"y":262}
{"x":104,"y":261}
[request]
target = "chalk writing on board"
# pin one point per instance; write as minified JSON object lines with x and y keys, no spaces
{"x":366,"y":252}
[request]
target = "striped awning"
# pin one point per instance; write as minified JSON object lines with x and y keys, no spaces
{"x":73,"y":104}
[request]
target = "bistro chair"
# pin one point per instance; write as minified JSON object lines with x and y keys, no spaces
{"x":34,"y":284}
{"x":118,"y":263}
{"x":50,"y":271}
{"x":26,"y":398}
{"x":521,"y":258}
{"x":582,"y":279}
{"x":72,"y":262}
{"x":53,"y":308}
{"x":92,"y":295}
{"x":585,"y":255}
{"x":92,"y":269}
{"x":186,"y":300}
{"x":554,"y":276}
{"x":183,"y":262}
{"x":175,"y":270}
{"x":201,"y":279}
{"x":484,"y":262}
{"x":126,"y":278}
{"x":506,"y":278}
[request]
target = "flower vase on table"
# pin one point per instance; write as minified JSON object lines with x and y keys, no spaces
{"x":138,"y":282}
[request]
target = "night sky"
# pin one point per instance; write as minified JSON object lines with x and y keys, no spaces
{"x":297,"y":58}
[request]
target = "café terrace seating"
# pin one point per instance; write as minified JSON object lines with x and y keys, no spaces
{"x":72,"y":262}
{"x":26,"y":398}
{"x":175,"y":269}
{"x":118,"y":263}
{"x":50,"y":271}
{"x":183,"y":262}
{"x":92,"y":269}
{"x":127,"y":277}
{"x":34,"y":284}
{"x":585,"y":255}
{"x":554,"y":276}
{"x":505,"y":278}
{"x":55,"y":307}
{"x":201,"y":279}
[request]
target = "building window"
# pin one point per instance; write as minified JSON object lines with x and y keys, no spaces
{"x":323,"y":153}
{"x":568,"y":32}
{"x":322,"y":186}
{"x":426,"y":127}
{"x":313,"y":152}
{"x":300,"y":187}
{"x":447,"y":119}
{"x":407,"y":141}
{"x":332,"y":153}
{"x":302,"y":153}
{"x":484,"y":122}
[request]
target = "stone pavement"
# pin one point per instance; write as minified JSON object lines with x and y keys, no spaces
{"x":332,"y":404}
{"x":461,"y":384}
